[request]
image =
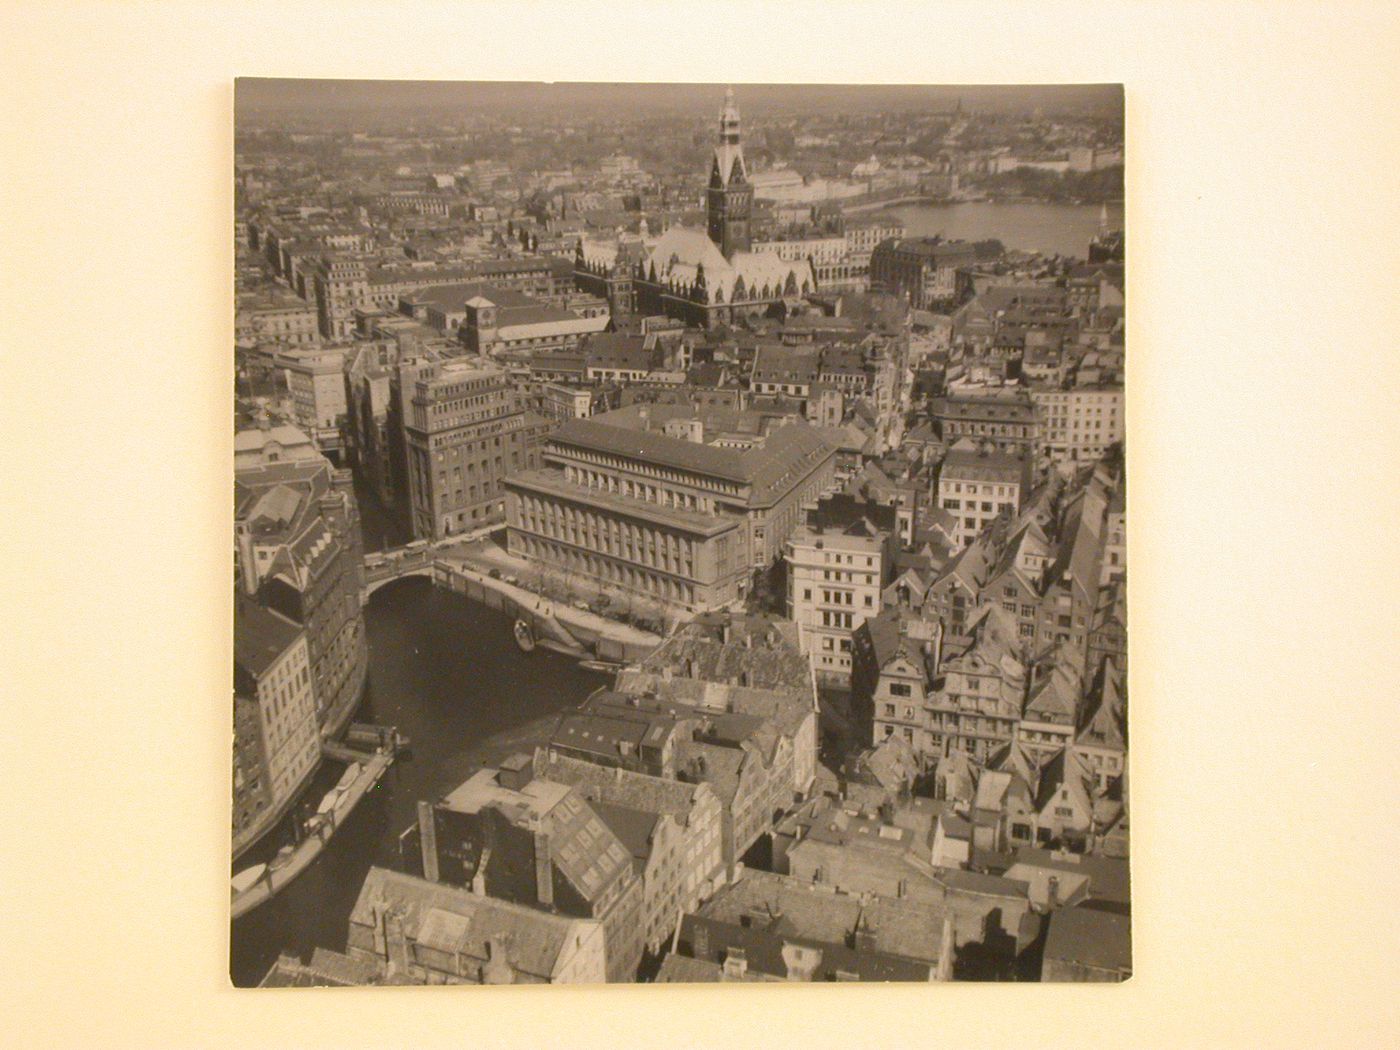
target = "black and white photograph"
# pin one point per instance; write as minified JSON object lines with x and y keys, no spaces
{"x":680,"y":534}
{"x":639,"y":497}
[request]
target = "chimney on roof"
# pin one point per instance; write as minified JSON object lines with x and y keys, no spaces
{"x":736,"y":964}
{"x":515,"y":772}
{"x":427,"y":840}
{"x":863,"y":938}
{"x":479,"y":876}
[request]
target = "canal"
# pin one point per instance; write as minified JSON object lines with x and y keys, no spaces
{"x":445,"y":671}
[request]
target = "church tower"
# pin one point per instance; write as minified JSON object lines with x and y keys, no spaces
{"x":729,"y":198}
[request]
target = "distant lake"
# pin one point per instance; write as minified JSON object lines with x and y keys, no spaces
{"x":1063,"y":229}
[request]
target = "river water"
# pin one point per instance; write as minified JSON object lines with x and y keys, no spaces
{"x":446,"y":671}
{"x":1060,"y":229}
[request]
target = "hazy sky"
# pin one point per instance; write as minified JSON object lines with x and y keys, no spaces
{"x":304,"y":97}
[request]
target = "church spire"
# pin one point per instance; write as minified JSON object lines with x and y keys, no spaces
{"x":729,"y":196}
{"x":729,"y":120}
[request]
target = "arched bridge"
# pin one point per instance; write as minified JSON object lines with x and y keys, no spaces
{"x":383,"y":567}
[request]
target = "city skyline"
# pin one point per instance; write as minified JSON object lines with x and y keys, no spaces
{"x":256,"y":96}
{"x":814,"y":517}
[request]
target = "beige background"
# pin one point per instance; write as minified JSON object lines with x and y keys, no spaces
{"x":1263,"y":228}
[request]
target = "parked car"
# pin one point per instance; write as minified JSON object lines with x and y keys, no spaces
{"x":495,"y":574}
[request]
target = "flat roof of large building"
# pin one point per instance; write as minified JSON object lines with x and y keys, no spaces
{"x":786,"y":454}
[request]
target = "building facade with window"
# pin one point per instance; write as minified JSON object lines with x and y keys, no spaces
{"x":673,"y":830}
{"x":976,"y":485}
{"x":923,"y":270}
{"x":1078,"y":425}
{"x":277,"y":741}
{"x":835,"y":577}
{"x":316,"y":382}
{"x":674,"y":520}
{"x":298,"y":551}
{"x":1006,"y":421}
{"x":896,"y":660}
{"x":466,"y":430}
{"x":976,"y":705}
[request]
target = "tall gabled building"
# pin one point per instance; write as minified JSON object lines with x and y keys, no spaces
{"x":729,"y":197}
{"x":298,"y":552}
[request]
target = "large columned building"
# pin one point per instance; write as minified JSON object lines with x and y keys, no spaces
{"x":707,"y":277}
{"x":663,"y":516}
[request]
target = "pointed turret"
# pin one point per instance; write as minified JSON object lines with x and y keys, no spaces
{"x":729,"y":196}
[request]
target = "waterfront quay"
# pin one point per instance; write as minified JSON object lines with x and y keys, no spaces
{"x":446,"y":672}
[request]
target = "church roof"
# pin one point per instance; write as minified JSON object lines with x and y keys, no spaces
{"x":680,"y":250}
{"x":681,"y":253}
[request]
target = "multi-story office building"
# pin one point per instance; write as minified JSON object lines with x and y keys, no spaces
{"x":316,"y":382}
{"x":923,"y":270}
{"x":785,"y":372}
{"x":276,"y":318}
{"x":1006,"y":421}
{"x":841,"y":261}
{"x":561,"y":402}
{"x":344,"y":284}
{"x":622,"y":357}
{"x":537,"y":843}
{"x":826,"y":254}
{"x":862,"y":235}
{"x":298,"y":552}
{"x":277,"y":741}
{"x":1078,"y":425}
{"x":506,"y":322}
{"x":675,"y":520}
{"x":835,"y":576}
{"x":976,"y":485}
{"x":466,"y":430}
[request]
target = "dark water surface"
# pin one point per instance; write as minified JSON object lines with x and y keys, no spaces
{"x":445,"y":671}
